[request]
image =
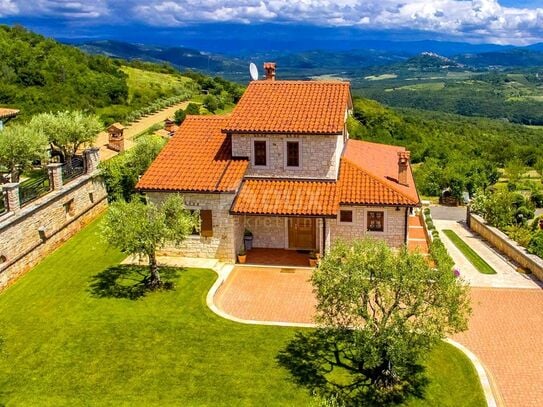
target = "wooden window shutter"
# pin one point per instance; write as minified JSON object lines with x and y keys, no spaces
{"x":206,"y":227}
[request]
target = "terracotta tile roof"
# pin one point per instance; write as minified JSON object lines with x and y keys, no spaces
{"x":286,"y":197}
{"x":5,"y":112}
{"x":312,"y":107}
{"x":368,"y":175}
{"x":197,"y":158}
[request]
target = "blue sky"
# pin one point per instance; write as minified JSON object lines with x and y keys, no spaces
{"x":518,"y":22}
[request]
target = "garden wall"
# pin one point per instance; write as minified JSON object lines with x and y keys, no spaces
{"x":507,"y":246}
{"x":30,"y":233}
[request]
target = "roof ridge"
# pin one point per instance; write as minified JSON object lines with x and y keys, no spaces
{"x":377,"y":179}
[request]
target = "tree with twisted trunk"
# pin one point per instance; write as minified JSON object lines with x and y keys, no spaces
{"x":68,"y":131}
{"x":379,"y":312}
{"x":141,"y":229}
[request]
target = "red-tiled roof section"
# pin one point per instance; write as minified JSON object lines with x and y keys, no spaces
{"x":369,"y":175}
{"x":197,"y":158}
{"x":296,"y":107}
{"x":7,"y":113}
{"x":286,"y":197}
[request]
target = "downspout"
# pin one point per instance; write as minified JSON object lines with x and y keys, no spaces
{"x":406,"y":224}
{"x":323,"y":236}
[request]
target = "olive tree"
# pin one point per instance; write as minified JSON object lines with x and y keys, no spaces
{"x":378,"y":312}
{"x":19,"y":146}
{"x":137,"y":228}
{"x":68,"y":131}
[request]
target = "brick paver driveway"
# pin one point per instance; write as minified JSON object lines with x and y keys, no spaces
{"x":268,"y":294}
{"x":505,"y":331}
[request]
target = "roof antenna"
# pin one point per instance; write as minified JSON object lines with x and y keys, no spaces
{"x":253,"y":70}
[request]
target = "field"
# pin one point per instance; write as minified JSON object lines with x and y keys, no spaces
{"x":154,"y":84}
{"x":78,"y":330}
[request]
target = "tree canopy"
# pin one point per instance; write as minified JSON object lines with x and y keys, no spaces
{"x":19,"y":147}
{"x":140,"y":229}
{"x":379,"y":312}
{"x":67,"y":131}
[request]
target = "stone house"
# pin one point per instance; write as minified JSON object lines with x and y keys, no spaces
{"x":283,"y":167}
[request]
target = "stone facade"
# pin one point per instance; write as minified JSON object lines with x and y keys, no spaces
{"x":319,"y":155}
{"x":394,"y":227}
{"x":29,"y":234}
{"x":223,"y":244}
{"x":268,"y":232}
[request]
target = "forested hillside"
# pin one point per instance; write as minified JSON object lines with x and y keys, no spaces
{"x":448,"y":150}
{"x":38,"y":74}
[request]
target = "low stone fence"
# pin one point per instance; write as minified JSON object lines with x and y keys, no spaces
{"x":29,"y":233}
{"x":507,"y":246}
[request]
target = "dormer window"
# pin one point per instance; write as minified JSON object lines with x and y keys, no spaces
{"x":260,"y":153}
{"x":293,"y":154}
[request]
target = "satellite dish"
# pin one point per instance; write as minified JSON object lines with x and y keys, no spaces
{"x":253,"y":70}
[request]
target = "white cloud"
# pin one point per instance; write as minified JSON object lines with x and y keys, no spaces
{"x":482,"y":20}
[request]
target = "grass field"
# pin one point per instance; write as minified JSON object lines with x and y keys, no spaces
{"x":140,"y":83}
{"x":73,"y":336}
{"x":481,"y":265}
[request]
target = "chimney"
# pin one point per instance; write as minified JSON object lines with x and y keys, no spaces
{"x":269,"y":67}
{"x":403,"y":164}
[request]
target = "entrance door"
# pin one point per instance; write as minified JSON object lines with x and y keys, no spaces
{"x":301,"y":233}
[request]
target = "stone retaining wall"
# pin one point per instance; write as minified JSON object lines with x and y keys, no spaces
{"x":29,"y":234}
{"x":507,"y":246}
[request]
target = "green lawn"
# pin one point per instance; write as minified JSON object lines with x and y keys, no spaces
{"x":67,"y":341}
{"x":481,"y":265}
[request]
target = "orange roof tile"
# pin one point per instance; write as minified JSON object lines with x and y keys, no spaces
{"x":368,"y":175}
{"x":197,"y":158}
{"x":312,"y":107}
{"x":5,"y":112}
{"x":285,"y":197}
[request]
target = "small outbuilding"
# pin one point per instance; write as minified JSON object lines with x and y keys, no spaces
{"x":116,"y":137}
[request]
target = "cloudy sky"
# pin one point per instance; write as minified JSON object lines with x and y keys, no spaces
{"x":516,"y":22}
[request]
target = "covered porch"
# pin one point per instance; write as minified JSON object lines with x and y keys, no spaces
{"x":281,"y":241}
{"x":259,"y":256}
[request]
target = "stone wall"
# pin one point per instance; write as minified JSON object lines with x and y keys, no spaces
{"x":29,"y":234}
{"x":269,"y":232}
{"x":394,"y":228}
{"x":507,"y":246}
{"x":319,"y":155}
{"x":222,"y":245}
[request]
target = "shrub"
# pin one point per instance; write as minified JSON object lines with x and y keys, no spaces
{"x":440,"y":255}
{"x":535,"y":223}
{"x":517,"y":199}
{"x":537,"y":199}
{"x":519,"y":234}
{"x":430,"y":224}
{"x":426,"y":211}
{"x":523,"y":215}
{"x":536,"y":244}
{"x":179,"y":116}
{"x":192,"y":108}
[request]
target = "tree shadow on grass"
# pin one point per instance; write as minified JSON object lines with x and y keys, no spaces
{"x":320,"y":361}
{"x":129,"y":281}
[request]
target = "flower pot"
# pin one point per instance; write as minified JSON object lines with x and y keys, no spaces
{"x":313,"y":262}
{"x":242,"y":258}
